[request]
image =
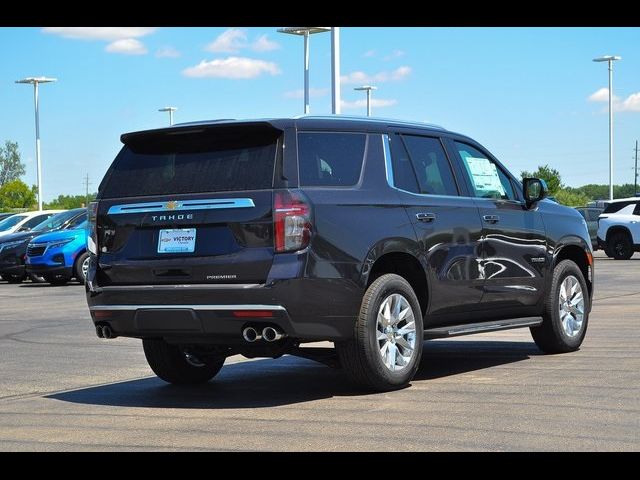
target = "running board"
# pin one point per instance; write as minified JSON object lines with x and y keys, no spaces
{"x":471,"y":328}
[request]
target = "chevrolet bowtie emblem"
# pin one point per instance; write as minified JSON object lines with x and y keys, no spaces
{"x":172,"y":205}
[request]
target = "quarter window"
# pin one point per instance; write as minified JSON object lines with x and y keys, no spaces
{"x":487,"y":179}
{"x":404,"y":177}
{"x":330,"y":159}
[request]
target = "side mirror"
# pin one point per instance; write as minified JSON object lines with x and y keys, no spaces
{"x":534,"y":189}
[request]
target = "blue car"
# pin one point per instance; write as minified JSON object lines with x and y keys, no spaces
{"x":59,"y":256}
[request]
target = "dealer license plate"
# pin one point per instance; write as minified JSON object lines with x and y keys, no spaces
{"x":177,"y":240}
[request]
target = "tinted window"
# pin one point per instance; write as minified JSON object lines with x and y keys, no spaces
{"x":584,"y":214}
{"x":403,"y":175}
{"x":487,"y":179}
{"x":636,"y":210}
{"x":211,"y":160}
{"x":330,"y":159}
{"x":78,"y":221}
{"x":32,"y":222}
{"x":431,"y":165}
{"x":12,"y":221}
{"x":55,"y":221}
{"x":617,"y":206}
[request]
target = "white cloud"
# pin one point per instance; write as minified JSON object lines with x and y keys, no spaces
{"x":128,"y":46}
{"x":394,"y":54}
{"x":167,"y":52}
{"x":231,"y":67}
{"x":630,"y":104}
{"x":100,"y":33}
{"x":235,"y":39}
{"x":263,"y":44}
{"x":230,"y":41}
{"x":601,"y":95}
{"x":375,"y":102}
{"x":360,"y":77}
{"x":369,"y":53}
{"x":313,"y":92}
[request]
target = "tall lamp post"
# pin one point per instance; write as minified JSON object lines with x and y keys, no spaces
{"x":305,"y":32}
{"x":610,"y":59}
{"x":35,"y":81}
{"x":170,"y":110}
{"x":367,"y":88}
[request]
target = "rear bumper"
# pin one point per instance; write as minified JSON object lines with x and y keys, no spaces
{"x":305,"y":309}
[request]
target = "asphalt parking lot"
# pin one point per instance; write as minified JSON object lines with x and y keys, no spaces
{"x":62,"y":388}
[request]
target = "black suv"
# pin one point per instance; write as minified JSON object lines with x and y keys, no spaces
{"x":255,"y":237}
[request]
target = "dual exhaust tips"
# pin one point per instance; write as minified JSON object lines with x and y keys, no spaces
{"x":104,"y":331}
{"x":269,"y":334}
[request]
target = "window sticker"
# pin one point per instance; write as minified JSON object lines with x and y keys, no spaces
{"x":485,"y":175}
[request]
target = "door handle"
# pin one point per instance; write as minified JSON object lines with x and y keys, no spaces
{"x":426,"y":217}
{"x":491,"y":218}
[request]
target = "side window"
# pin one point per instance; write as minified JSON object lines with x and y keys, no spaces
{"x":330,"y":159}
{"x":32,"y":222}
{"x":77,"y":221}
{"x":487,"y":179}
{"x":636,"y":210}
{"x":403,"y":175}
{"x":431,"y":165}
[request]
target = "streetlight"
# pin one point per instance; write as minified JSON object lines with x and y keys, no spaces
{"x":35,"y":81}
{"x":335,"y":70}
{"x":367,"y":88}
{"x":610,"y":59}
{"x":305,"y":32}
{"x":170,"y":110}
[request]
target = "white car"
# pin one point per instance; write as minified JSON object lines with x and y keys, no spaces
{"x":619,"y":228}
{"x":22,"y":222}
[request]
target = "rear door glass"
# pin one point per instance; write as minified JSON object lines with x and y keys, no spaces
{"x":210,"y":160}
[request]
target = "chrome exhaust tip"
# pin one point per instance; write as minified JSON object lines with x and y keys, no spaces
{"x":251,"y":335}
{"x":270,"y":334}
{"x":107,"y":332}
{"x":99,"y":331}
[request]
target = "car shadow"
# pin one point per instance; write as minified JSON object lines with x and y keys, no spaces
{"x":290,"y":380}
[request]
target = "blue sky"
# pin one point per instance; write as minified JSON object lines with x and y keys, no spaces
{"x":530,"y":95}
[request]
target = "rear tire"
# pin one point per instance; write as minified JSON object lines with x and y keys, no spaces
{"x":80,"y":267}
{"x":384,"y":353}
{"x":563,"y":329}
{"x":172,"y":365}
{"x":58,"y":280}
{"x":14,"y":278}
{"x":620,"y":246}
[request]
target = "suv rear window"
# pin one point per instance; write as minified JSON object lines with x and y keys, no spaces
{"x":194,"y":161}
{"x":330,"y":159}
{"x":617,"y":206}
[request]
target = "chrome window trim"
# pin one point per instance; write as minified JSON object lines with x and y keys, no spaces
{"x":206,"y":204}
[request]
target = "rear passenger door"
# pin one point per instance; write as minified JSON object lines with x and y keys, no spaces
{"x":447,"y":225}
{"x":513,"y":238}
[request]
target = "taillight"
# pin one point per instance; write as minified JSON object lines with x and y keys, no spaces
{"x":92,"y":238}
{"x":291,"y":221}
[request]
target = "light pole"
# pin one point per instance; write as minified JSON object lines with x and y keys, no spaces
{"x":35,"y":81}
{"x":610,"y":59}
{"x":305,"y":32}
{"x":170,"y":110}
{"x":367,"y":88}
{"x":335,"y":70}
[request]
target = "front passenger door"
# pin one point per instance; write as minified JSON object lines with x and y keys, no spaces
{"x":513,"y":238}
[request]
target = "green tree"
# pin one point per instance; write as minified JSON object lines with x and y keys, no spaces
{"x":549,"y":175}
{"x":66,"y":202}
{"x":11,"y":168}
{"x":571,"y":198}
{"x":17,"y":194}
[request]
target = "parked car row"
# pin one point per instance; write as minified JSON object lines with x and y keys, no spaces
{"x":51,"y":250}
